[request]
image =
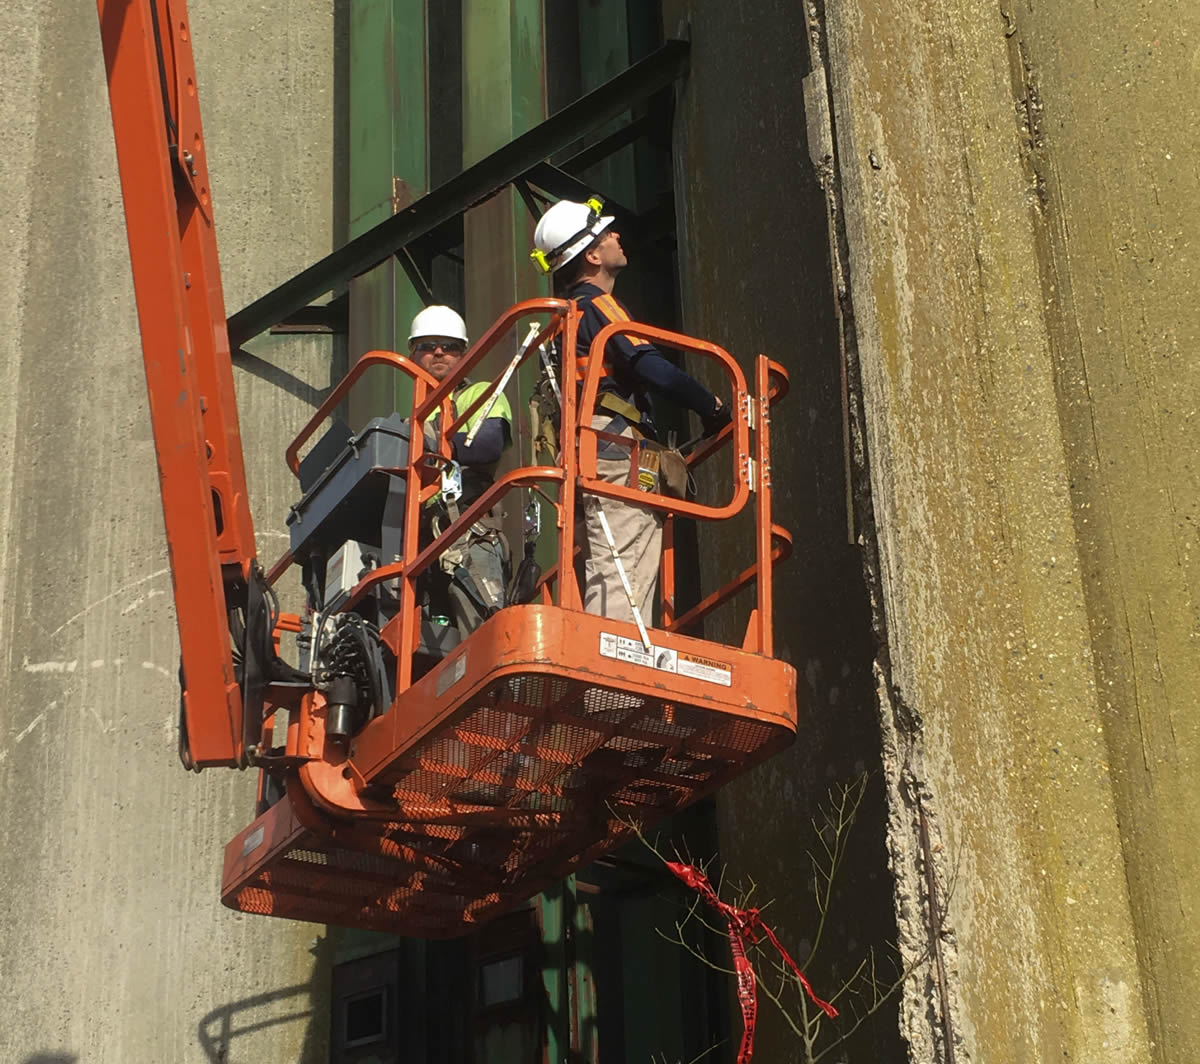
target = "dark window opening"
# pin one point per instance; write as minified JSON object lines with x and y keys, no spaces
{"x":367,"y":1011}
{"x":366,"y":1018}
{"x":501,"y":981}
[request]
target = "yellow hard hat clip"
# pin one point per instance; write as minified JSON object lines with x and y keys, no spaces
{"x":539,"y":260}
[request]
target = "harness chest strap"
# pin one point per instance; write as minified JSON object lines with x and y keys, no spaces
{"x":614,"y":404}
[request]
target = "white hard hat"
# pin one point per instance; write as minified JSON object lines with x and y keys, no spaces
{"x":438,"y":321}
{"x":565,"y":230}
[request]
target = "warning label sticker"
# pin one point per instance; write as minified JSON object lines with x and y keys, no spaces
{"x":664,"y":659}
{"x":706,"y":669}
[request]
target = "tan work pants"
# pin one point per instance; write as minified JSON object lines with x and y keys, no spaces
{"x":637,"y":533}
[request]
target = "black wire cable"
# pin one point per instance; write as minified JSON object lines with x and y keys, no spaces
{"x":172,"y":128}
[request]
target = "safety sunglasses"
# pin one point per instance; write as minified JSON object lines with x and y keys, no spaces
{"x":450,"y":347}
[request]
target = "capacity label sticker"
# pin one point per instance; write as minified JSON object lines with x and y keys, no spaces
{"x":664,"y":659}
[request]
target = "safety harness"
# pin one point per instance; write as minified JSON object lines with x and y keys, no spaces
{"x":455,"y":560}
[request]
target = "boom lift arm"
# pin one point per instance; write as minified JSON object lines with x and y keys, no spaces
{"x":181,"y":310}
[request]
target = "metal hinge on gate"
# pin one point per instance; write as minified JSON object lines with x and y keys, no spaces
{"x":748,"y":411}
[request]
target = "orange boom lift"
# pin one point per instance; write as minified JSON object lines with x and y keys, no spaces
{"x":411,"y":782}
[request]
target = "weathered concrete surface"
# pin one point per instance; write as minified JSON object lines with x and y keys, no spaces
{"x":1018,"y":226}
{"x":1113,"y":114}
{"x":113,"y":943}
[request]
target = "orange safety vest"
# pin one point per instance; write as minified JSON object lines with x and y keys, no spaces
{"x":613,"y":311}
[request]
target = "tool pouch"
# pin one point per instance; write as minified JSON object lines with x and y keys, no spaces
{"x":668,"y":464}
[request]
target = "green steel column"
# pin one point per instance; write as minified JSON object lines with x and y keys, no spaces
{"x":603,"y":54}
{"x":504,"y":94}
{"x":583,"y":983}
{"x":557,"y":908}
{"x":388,"y":171}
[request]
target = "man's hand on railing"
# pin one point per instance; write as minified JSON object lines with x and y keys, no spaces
{"x":718,"y":419}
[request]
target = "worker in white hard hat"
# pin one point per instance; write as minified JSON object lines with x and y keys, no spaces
{"x":473,"y":574}
{"x":577,"y":243}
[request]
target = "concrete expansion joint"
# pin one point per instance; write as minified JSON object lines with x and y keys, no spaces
{"x":926,"y":944}
{"x":923,"y":876}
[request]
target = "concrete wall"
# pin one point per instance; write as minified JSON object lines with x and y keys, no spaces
{"x":1015,"y":228}
{"x":1110,"y":118}
{"x":1018,"y":228}
{"x":113,"y":943}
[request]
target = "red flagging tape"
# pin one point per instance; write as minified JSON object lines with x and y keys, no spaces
{"x":745,"y":926}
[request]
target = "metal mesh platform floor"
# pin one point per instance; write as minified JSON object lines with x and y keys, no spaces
{"x":532,"y":777}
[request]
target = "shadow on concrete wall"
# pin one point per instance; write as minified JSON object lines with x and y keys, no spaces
{"x":220,"y":1029}
{"x":279,"y":377}
{"x":51,"y":1058}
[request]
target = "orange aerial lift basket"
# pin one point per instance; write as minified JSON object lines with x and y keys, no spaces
{"x":413,"y":782}
{"x":535,"y":745}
